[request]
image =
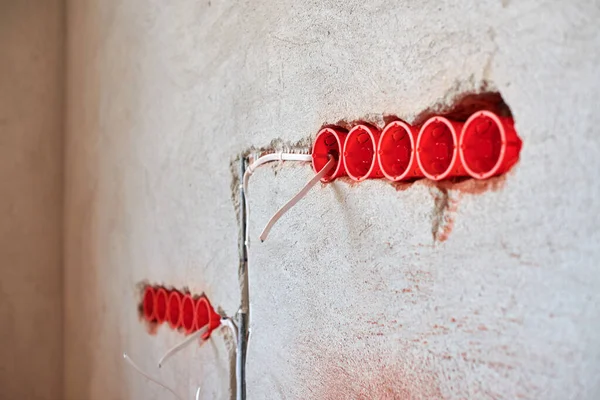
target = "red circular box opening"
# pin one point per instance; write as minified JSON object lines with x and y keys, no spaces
{"x":359,"y":152}
{"x":148,"y":303}
{"x":160,"y":305}
{"x":396,"y":151}
{"x":329,"y":142}
{"x":437,"y":148}
{"x":174,"y":309}
{"x":483,"y":145}
{"x":202,"y":313}
{"x":188,"y":311}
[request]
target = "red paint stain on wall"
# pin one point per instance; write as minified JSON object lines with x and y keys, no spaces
{"x":444,"y":212}
{"x":377,"y":380}
{"x":366,"y":375}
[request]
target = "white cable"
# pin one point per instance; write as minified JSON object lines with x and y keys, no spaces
{"x":181,"y":345}
{"x":228,"y":322}
{"x":198,"y":393}
{"x":328,"y":167}
{"x":150,"y":378}
{"x":272,"y":157}
{"x":280,"y":156}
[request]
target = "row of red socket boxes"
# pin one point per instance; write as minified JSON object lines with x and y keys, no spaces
{"x":485,"y":145}
{"x":182,"y":311}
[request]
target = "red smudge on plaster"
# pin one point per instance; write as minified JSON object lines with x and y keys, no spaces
{"x":371,"y":378}
{"x":448,"y":220}
{"x":468,"y":185}
{"x":446,"y":230}
{"x":499,"y":367}
{"x":444,"y":213}
{"x":339,"y":372}
{"x":462,"y":185}
{"x":347,"y":180}
{"x":401,"y":186}
{"x":151,"y":327}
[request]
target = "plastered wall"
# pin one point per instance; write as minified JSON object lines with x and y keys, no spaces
{"x":354,"y":295}
{"x":31,"y":114}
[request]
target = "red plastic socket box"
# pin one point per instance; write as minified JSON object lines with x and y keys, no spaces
{"x":360,"y":153}
{"x":484,"y":146}
{"x":329,"y":142}
{"x":489,"y":145}
{"x":437,"y":149}
{"x":396,"y":152}
{"x":182,"y":311}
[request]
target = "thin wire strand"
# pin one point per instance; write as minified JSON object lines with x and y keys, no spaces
{"x":285,"y":208}
{"x":150,"y":378}
{"x":280,"y":156}
{"x":198,"y":393}
{"x":181,"y":345}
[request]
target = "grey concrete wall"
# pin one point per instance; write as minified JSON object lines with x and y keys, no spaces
{"x":31,"y":114}
{"x":352,"y":296}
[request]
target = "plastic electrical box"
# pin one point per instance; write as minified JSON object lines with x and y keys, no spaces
{"x":360,"y":153}
{"x":396,"y":152}
{"x":181,"y":311}
{"x":329,"y":142}
{"x":484,"y":146}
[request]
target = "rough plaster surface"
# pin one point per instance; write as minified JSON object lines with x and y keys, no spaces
{"x":31,"y":89}
{"x":351,"y":296}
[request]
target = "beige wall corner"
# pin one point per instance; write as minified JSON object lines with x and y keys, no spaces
{"x":31,"y":113}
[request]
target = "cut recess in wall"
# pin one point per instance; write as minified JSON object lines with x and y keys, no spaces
{"x":474,"y":139}
{"x":182,"y":310}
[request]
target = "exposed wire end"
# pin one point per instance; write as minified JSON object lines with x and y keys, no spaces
{"x":198,"y":393}
{"x":150,"y":378}
{"x":181,"y":345}
{"x":328,"y":167}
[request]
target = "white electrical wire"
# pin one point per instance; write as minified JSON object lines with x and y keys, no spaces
{"x":224,"y":321}
{"x":228,"y":322}
{"x":279,"y":156}
{"x":183,"y":344}
{"x":328,"y":167}
{"x":150,"y":378}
